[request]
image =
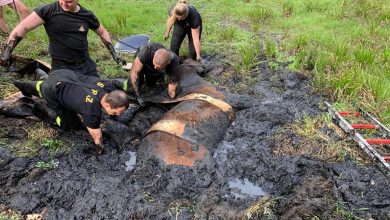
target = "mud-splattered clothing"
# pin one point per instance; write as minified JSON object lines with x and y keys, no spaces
{"x":183,"y":27}
{"x":78,"y":94}
{"x":146,"y":54}
{"x":67,"y":31}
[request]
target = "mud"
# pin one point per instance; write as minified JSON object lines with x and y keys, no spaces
{"x":244,"y":180}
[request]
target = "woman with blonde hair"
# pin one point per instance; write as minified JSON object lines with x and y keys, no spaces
{"x":186,"y":21}
{"x":18,"y":6}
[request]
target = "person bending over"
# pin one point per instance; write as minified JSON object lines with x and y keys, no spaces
{"x":152,"y":62}
{"x":186,"y":21}
{"x":70,"y":95}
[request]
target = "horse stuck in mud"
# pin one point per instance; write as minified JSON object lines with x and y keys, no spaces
{"x":207,"y":154}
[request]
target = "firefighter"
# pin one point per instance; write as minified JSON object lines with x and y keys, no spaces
{"x":67,"y":24}
{"x":70,"y":95}
{"x":186,"y":21}
{"x":151,"y":64}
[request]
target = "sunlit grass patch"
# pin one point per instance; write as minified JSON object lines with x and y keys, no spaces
{"x":228,"y":33}
{"x":288,"y":8}
{"x":262,"y":209}
{"x":6,"y":87}
{"x":318,"y":137}
{"x":9,"y":214}
{"x":39,"y":136}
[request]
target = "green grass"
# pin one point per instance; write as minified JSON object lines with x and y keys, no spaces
{"x":343,"y":44}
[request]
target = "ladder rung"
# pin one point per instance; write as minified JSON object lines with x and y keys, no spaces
{"x":364,"y":126}
{"x":387,"y":158}
{"x":378,"y":141}
{"x":350,"y":113}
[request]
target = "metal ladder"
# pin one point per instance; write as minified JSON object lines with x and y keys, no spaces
{"x":368,"y":145}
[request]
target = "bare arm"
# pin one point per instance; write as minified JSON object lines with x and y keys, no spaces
{"x":196,"y":38}
{"x":168,"y":26}
{"x":103,"y":34}
{"x":30,"y":22}
{"x":106,"y":39}
{"x":96,"y":135}
{"x":134,"y":73}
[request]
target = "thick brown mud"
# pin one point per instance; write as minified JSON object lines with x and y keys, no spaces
{"x":244,"y":179}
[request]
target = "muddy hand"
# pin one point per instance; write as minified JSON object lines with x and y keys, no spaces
{"x":100,"y":149}
{"x":6,"y":56}
{"x":172,"y":90}
{"x":199,"y":59}
{"x":141,"y":101}
{"x":166,"y":36}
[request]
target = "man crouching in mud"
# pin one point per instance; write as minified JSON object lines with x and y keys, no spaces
{"x":152,"y":62}
{"x":69,"y":95}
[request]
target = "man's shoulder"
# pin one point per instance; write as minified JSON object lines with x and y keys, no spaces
{"x":152,"y":46}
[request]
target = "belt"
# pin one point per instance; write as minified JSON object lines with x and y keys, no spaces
{"x":74,"y":63}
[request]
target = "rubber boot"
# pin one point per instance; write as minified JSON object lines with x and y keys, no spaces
{"x":42,"y":110}
{"x":122,"y":84}
{"x":28,"y":88}
{"x":40,"y":74}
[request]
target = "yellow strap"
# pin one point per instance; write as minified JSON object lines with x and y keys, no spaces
{"x":125,"y":85}
{"x":38,"y":87}
{"x":58,"y":121}
{"x":225,"y":107}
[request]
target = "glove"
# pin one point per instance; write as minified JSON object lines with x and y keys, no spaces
{"x":141,"y":101}
{"x":6,"y":54}
{"x":114,"y":55}
{"x":119,"y":60}
{"x":100,"y":149}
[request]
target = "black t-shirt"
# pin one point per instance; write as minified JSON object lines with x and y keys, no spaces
{"x":193,"y":19}
{"x":146,"y":54}
{"x":67,"y":31}
{"x":74,"y":97}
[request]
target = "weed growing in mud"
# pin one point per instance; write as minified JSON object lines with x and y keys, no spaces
{"x":6,"y":87}
{"x":320,"y":138}
{"x":288,"y":8}
{"x":228,"y":34}
{"x":263,"y":209}
{"x":8,"y":214}
{"x":176,"y":208}
{"x":39,"y":136}
{"x":51,"y":164}
{"x":248,"y":54}
{"x":343,"y":211}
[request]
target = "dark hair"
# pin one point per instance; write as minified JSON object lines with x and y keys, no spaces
{"x":117,"y":99}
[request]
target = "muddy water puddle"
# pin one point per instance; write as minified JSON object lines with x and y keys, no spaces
{"x":130,"y":164}
{"x":243,"y":188}
{"x":126,"y":184}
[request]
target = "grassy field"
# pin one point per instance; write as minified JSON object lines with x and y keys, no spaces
{"x":343,"y":44}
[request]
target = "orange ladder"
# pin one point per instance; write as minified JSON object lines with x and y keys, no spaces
{"x":368,"y":145}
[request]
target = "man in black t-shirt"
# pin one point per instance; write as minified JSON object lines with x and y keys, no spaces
{"x":70,"y":94}
{"x":67,"y":24}
{"x":152,"y":62}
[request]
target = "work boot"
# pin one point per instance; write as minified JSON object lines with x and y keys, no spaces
{"x":122,"y":84}
{"x":28,"y":88}
{"x":42,"y":110}
{"x":40,"y":74}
